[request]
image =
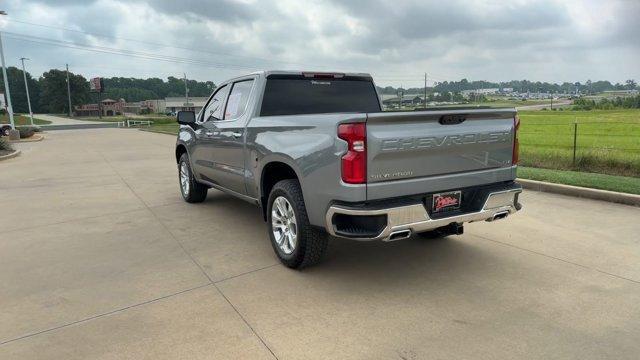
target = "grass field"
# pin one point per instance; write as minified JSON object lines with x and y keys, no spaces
{"x":165,"y":128}
{"x":22,"y":120}
{"x":153,"y":117}
{"x":624,"y":184}
{"x":608,"y":141}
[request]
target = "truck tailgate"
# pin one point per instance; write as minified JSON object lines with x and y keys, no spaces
{"x":422,"y":145}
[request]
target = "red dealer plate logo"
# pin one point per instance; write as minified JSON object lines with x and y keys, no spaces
{"x":446,"y":201}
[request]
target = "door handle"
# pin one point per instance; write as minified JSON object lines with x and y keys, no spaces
{"x":209,"y":133}
{"x":236,"y":134}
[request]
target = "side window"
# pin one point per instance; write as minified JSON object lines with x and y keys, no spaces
{"x":213,"y":111}
{"x":237,"y":103}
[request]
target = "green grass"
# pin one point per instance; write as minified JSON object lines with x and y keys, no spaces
{"x":164,"y":128}
{"x":597,"y":181}
{"x":22,"y":120}
{"x":608,"y":141}
{"x":153,"y":117}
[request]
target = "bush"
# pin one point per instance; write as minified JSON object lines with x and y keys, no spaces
{"x":5,"y":145}
{"x":26,"y":131}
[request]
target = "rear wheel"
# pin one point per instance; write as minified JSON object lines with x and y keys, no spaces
{"x":191,"y":190}
{"x":296,"y":243}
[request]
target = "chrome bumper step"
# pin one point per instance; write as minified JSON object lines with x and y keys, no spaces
{"x":414,"y":218}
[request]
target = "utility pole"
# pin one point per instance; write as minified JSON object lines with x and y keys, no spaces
{"x":26,"y":86}
{"x":425,"y":90}
{"x":186,"y":91}
{"x":68,"y":90}
{"x":6,"y":81}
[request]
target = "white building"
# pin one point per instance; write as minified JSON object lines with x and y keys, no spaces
{"x":487,"y":91}
{"x":175,"y":104}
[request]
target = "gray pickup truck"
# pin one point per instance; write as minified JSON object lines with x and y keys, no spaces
{"x":318,"y":155}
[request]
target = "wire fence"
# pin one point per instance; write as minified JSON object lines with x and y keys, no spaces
{"x":609,"y":147}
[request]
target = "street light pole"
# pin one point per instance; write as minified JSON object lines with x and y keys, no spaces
{"x":68,"y":90}
{"x":186,"y":91}
{"x":6,"y":80}
{"x":26,"y":86}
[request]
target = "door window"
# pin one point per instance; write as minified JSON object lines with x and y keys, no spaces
{"x":238,"y":99}
{"x":213,"y":110}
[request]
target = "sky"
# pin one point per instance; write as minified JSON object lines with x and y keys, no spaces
{"x":396,"y":41}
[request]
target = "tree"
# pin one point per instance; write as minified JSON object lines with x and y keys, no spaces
{"x":630,"y":84}
{"x":53,"y":84}
{"x":18,"y":91}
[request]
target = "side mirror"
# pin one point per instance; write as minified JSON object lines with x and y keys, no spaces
{"x":186,"y":117}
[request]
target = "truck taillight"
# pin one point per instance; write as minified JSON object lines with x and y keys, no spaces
{"x":354,"y":162}
{"x":516,"y":146}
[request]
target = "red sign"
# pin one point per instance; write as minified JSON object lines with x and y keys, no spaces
{"x":95,"y":85}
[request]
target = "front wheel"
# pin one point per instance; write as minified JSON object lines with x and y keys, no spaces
{"x":296,"y":243}
{"x":191,"y":190}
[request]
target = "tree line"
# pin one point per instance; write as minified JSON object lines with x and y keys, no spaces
{"x":521,"y":86}
{"x":48,"y":93}
{"x":631,"y":102}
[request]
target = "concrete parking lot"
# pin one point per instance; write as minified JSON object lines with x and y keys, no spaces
{"x":100,"y":258}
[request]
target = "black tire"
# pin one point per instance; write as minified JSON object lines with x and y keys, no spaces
{"x":196,"y":192}
{"x":311,"y":242}
{"x":4,"y":131}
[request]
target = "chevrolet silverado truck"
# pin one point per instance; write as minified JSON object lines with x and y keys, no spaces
{"x":318,"y":155}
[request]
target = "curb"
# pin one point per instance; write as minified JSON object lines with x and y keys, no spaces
{"x":595,"y":194}
{"x":34,"y":138}
{"x":12,"y":155}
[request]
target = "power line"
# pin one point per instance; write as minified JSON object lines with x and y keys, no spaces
{"x":434,"y":76}
{"x":161,"y":44}
{"x":125,"y":52}
{"x":149,"y":56}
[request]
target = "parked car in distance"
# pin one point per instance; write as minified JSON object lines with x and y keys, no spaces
{"x":317,"y":154}
{"x":4,"y":129}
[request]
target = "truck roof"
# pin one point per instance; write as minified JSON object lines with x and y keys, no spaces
{"x":300,"y":72}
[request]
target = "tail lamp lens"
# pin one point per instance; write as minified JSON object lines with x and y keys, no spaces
{"x":354,"y":162}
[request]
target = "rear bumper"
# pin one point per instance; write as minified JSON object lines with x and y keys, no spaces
{"x":399,"y":221}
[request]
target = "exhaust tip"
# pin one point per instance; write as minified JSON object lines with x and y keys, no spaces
{"x":499,"y":215}
{"x":399,"y":235}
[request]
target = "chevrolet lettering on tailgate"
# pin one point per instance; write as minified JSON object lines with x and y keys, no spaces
{"x":428,"y":142}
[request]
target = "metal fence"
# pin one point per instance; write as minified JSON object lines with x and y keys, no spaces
{"x":601,"y":136}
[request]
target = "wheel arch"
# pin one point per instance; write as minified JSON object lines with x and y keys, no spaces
{"x":180,"y":150}
{"x":271,"y":173}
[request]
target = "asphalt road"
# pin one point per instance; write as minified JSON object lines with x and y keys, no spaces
{"x":100,"y":258}
{"x":557,"y":103}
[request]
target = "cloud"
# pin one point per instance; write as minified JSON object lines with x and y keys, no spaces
{"x":547,"y":40}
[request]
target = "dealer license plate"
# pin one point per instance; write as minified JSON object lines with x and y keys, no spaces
{"x":446,"y":201}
